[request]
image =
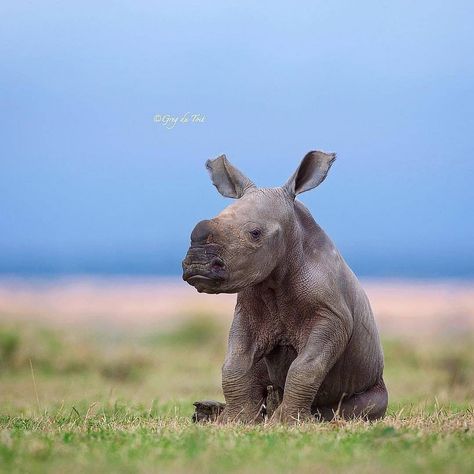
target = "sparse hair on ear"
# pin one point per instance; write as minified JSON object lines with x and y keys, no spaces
{"x":310,"y":173}
{"x":228,"y":180}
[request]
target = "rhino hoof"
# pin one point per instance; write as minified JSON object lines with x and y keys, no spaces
{"x":207,"y":411}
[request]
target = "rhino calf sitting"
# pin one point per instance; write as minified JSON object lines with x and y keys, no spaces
{"x":302,"y":324}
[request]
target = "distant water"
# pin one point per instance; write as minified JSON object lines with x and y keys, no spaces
{"x":389,"y":266}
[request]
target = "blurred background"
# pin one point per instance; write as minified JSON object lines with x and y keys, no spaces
{"x":108,"y":114}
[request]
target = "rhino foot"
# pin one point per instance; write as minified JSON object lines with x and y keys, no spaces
{"x":209,"y":410}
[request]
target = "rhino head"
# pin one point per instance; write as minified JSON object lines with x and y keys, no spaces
{"x":244,"y":244}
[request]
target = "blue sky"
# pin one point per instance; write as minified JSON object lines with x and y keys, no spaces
{"x":89,"y":182}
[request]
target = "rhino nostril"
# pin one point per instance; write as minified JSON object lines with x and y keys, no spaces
{"x":217,"y":264}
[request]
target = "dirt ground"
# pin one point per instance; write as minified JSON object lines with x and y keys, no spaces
{"x":412,"y":308}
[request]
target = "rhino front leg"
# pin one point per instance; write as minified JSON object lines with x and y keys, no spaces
{"x":244,"y":374}
{"x":307,"y":372}
{"x":245,"y":388}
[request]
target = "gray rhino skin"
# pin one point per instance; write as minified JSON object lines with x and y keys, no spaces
{"x":302,"y":322}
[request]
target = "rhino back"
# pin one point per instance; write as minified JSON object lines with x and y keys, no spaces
{"x":361,"y":364}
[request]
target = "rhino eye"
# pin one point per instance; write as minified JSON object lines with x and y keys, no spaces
{"x":256,"y":233}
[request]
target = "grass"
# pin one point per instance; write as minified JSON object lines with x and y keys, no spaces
{"x":117,"y":402}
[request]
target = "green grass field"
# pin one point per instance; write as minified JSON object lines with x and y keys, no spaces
{"x":73,"y":401}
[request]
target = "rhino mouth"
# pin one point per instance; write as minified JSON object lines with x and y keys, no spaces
{"x":205,"y":275}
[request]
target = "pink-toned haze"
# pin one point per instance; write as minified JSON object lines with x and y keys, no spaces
{"x":407,"y":307}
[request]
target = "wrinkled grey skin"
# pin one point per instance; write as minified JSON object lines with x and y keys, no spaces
{"x":302,"y":322}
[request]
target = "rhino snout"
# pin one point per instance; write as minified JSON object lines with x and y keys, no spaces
{"x":202,"y":232}
{"x":202,"y":269}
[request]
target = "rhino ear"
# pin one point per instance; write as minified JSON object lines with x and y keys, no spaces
{"x":228,"y":180}
{"x":311,"y":172}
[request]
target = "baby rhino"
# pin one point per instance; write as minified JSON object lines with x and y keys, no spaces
{"x":303,"y":326}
